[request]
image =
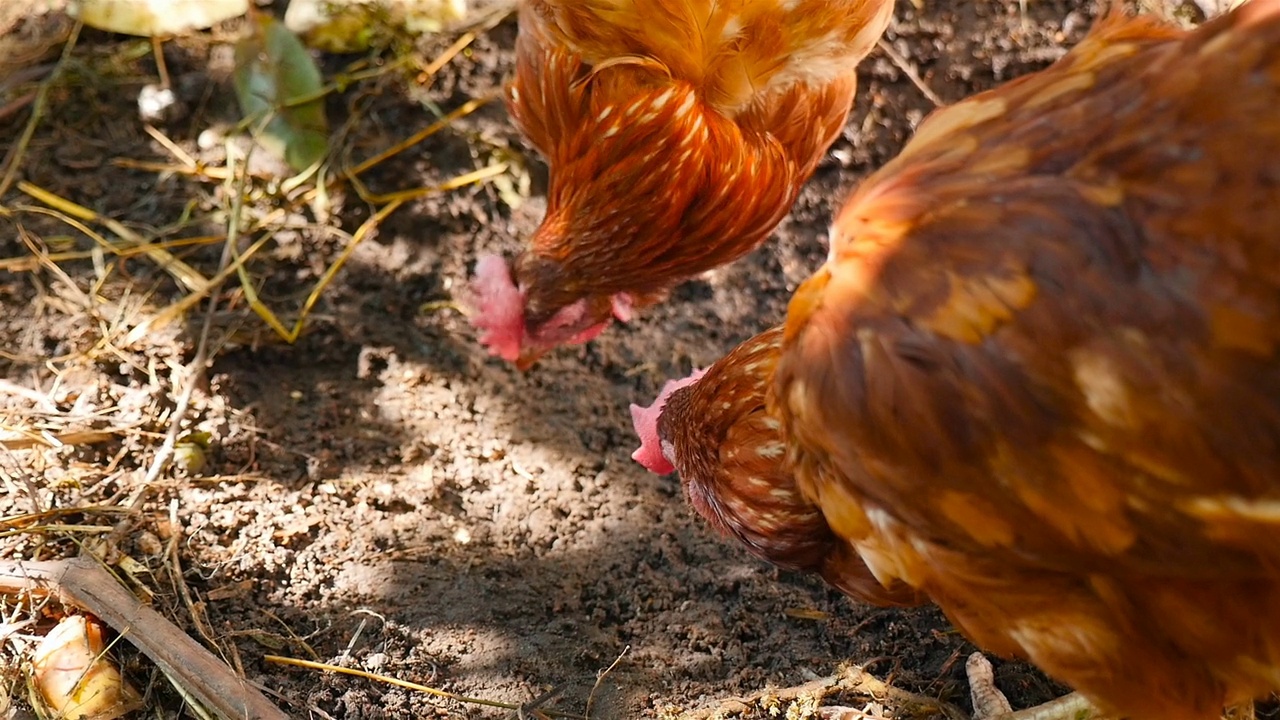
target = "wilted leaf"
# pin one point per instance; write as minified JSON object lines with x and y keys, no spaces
{"x":73,"y":675}
{"x":155,"y":17}
{"x":274,"y":72}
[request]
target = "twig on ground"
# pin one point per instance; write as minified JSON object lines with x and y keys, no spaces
{"x":533,"y":706}
{"x":909,"y":69}
{"x":410,"y":685}
{"x":591,"y":698}
{"x":851,"y":679}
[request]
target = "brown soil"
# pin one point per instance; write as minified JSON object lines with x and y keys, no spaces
{"x":382,"y":493}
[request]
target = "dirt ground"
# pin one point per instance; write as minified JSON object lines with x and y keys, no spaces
{"x":380,"y":494}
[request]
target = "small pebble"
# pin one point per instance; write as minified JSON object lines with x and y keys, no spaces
{"x":159,"y":105}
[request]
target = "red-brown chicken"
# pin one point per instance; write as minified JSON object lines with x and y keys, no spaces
{"x":1038,"y":377}
{"x":678,"y":133}
{"x":732,"y":471}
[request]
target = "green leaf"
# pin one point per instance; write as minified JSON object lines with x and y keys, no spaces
{"x":275,"y":76}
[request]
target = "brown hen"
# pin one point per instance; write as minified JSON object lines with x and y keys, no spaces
{"x":732,"y":471}
{"x":678,"y":133}
{"x":1038,"y":377}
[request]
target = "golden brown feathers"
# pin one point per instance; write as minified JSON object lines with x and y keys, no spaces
{"x":716,"y":431}
{"x":734,"y":52}
{"x":678,"y":133}
{"x":1039,"y":375}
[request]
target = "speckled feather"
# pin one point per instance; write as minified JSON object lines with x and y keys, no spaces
{"x":1038,"y":376}
{"x":729,"y":453}
{"x":678,"y":133}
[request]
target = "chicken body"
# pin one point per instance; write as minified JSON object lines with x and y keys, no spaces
{"x":732,"y":471}
{"x":1038,"y":377}
{"x":678,"y":133}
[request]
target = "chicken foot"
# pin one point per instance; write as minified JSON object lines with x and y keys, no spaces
{"x":990,"y":704}
{"x":1243,"y":711}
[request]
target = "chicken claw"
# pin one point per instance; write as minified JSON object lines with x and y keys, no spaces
{"x":990,"y":704}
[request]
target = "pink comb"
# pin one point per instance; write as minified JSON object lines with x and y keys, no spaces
{"x":498,"y":311}
{"x":645,"y":420}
